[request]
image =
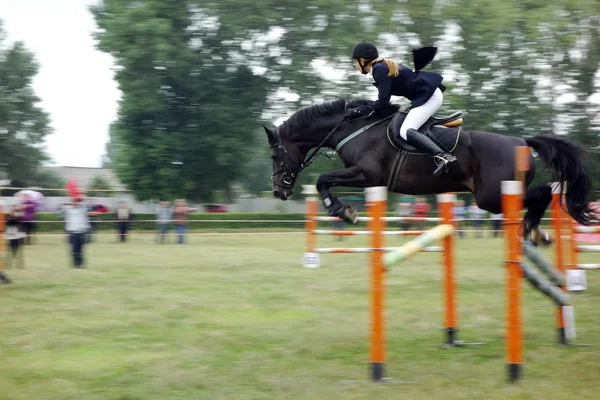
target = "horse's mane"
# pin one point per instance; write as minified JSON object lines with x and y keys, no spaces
{"x":315,"y":112}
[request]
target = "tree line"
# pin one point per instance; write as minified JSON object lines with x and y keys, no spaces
{"x":199,"y":78}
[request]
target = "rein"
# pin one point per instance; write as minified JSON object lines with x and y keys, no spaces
{"x":315,"y":153}
{"x":289,"y":176}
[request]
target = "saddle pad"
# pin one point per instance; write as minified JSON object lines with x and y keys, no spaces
{"x":446,"y":138}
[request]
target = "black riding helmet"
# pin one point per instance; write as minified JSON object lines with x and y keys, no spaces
{"x":366,"y":50}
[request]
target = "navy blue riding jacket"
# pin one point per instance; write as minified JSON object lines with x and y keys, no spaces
{"x":418,"y":86}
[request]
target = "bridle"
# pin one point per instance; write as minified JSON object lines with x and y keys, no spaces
{"x":289,"y":175}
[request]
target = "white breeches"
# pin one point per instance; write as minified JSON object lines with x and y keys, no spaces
{"x":418,"y":116}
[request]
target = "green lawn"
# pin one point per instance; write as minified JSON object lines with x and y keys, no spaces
{"x":236,"y":317}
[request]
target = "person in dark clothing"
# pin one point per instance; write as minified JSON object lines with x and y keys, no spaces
{"x":423,"y":89}
{"x":123,"y":220}
{"x":28,"y":208}
{"x":14,"y":235}
{"x":3,"y":277}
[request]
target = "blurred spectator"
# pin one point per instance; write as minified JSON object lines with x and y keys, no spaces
{"x":124,"y":216}
{"x":180,"y":218}
{"x":14,"y":236}
{"x":497,"y":224}
{"x":460,"y":212}
{"x":421,"y":210}
{"x":164,"y":215}
{"x":92,"y":220}
{"x":29,"y":207}
{"x":77,"y":225}
{"x":476,"y":215}
{"x":94,"y":209}
{"x":404,"y":210}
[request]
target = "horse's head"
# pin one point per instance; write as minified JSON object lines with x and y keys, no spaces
{"x":308,"y":128}
{"x":287,"y":160}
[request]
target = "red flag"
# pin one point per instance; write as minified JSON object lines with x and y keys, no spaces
{"x":72,"y":188}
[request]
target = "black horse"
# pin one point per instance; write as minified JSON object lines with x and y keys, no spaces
{"x":484,"y":161}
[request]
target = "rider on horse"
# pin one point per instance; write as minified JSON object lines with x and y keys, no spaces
{"x":423,"y":89}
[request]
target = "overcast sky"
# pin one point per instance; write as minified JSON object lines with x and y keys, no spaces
{"x":75,"y":81}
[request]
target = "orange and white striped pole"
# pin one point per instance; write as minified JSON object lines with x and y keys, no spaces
{"x":446,"y":204}
{"x":311,"y":257}
{"x":2,"y":227}
{"x":512,"y":204}
{"x":573,"y":256}
{"x":557,"y":222}
{"x":376,"y":198}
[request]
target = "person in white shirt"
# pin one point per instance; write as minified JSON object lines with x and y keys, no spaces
{"x":164,"y":216}
{"x":77,"y":225}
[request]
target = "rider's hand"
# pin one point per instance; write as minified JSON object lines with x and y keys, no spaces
{"x":359,"y":112}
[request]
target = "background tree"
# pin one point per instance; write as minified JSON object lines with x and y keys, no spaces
{"x":99,"y":187}
{"x":23,"y":124}
{"x":199,"y":78}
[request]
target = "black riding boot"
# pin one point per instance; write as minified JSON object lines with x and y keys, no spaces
{"x":426,"y":145}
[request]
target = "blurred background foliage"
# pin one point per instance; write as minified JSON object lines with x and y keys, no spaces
{"x":198,"y":78}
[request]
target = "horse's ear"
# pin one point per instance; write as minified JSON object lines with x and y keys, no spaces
{"x":269,"y":133}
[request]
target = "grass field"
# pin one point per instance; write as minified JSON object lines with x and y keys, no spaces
{"x":236,"y":317}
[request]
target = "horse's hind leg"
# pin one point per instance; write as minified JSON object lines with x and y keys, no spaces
{"x":537,"y":200}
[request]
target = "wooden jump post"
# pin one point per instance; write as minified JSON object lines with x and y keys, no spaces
{"x":566,"y":231}
{"x":557,"y":222}
{"x":512,"y":204}
{"x":576,"y":272}
{"x":376,"y":198}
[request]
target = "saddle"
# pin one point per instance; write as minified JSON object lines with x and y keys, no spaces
{"x":444,"y":131}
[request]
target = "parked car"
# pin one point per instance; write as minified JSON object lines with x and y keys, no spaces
{"x":215,"y":208}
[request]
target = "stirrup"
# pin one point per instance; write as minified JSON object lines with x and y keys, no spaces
{"x":445,"y":158}
{"x":442,"y":160}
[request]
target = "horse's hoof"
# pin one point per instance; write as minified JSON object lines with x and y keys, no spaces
{"x":350,"y":214}
{"x":540,"y":238}
{"x":546,"y":240}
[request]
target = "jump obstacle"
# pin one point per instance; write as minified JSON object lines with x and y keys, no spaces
{"x":554,"y":287}
{"x":512,"y":203}
{"x":566,"y":232}
{"x":577,"y":278}
{"x":376,"y":199}
{"x":579,"y":248}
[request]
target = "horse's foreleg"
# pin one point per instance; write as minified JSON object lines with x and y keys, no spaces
{"x":351,"y":177}
{"x":537,"y":200}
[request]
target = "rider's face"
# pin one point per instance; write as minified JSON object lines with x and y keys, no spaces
{"x":361,"y":61}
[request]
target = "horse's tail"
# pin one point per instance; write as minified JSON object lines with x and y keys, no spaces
{"x":566,"y":161}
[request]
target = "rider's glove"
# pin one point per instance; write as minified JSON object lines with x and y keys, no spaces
{"x":359,"y":112}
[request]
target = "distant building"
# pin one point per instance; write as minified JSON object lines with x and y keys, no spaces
{"x":84,"y":176}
